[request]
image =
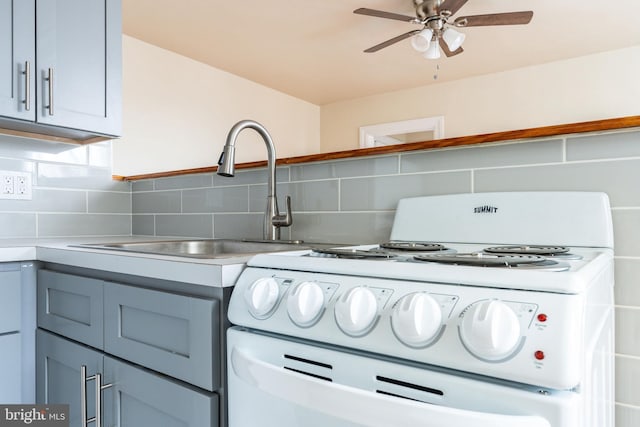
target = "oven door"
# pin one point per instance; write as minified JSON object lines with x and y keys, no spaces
{"x":275,"y":382}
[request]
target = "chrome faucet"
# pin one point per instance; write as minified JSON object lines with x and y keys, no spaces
{"x":226,"y":167}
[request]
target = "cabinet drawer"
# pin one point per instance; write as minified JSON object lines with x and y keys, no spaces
{"x":10,"y":301}
{"x":173,"y":334}
{"x":146,"y":399}
{"x":71,"y":306}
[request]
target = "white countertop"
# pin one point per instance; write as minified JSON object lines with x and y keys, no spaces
{"x":218,"y":272}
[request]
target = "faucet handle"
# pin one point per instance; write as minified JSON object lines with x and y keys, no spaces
{"x":286,"y":219}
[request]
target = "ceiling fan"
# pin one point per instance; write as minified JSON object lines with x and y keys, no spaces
{"x":435,"y":17}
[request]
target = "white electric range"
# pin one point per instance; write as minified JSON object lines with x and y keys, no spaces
{"x":491,"y":309}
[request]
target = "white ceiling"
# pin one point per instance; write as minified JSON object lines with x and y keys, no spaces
{"x":313,"y":49}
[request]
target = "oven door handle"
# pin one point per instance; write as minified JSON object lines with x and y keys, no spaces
{"x":361,"y":406}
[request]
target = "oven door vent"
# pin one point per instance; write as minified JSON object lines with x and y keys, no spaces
{"x":305,"y":366}
{"x":407,"y":390}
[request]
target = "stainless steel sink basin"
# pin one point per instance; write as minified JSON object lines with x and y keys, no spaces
{"x":202,"y":248}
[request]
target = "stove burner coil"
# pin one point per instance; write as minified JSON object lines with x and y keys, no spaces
{"x":489,"y":260}
{"x":413,"y":246}
{"x":354,"y":253}
{"x":528,"y":250}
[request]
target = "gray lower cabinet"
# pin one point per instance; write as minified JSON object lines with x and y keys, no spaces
{"x":136,"y":397}
{"x":17,"y":325}
{"x":58,"y":363}
{"x":161,"y":350}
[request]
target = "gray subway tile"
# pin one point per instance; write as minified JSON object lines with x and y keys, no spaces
{"x":73,"y":176}
{"x":100,"y":154}
{"x":143,"y":185}
{"x":342,"y":227}
{"x":627,"y":416}
{"x":305,"y":196}
{"x":345,"y":168}
{"x":69,"y":225}
{"x":253,"y":176}
{"x":18,"y":225}
{"x":483,"y":157}
{"x":200,"y":226}
{"x":49,"y":151}
{"x":627,"y":287}
{"x":627,"y":380}
{"x":383,"y":193}
{"x":143,"y":225}
{"x":109,"y":202}
{"x":18,"y":165}
{"x":238,"y":226}
{"x":627,"y":327}
{"x":185,"y":181}
{"x":210,"y":200}
{"x":616,"y":178}
{"x":156,"y":202}
{"x":48,"y":201}
{"x":626,"y":232}
{"x":604,"y":146}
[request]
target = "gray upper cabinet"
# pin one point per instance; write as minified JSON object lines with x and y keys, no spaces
{"x":73,"y":51}
{"x":17,"y":59}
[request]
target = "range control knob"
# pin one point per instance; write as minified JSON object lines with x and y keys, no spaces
{"x":305,"y":303}
{"x":262,"y":296}
{"x":416,"y":319}
{"x":356,"y":311}
{"x":490,"y":330}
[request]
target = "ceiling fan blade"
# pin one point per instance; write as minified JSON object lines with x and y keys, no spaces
{"x":445,"y":49}
{"x":510,"y":18}
{"x":452,"y":5}
{"x":391,"y":41}
{"x":381,"y":14}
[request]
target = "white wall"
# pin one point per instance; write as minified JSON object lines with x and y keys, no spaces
{"x":593,"y":87}
{"x":177,"y":113}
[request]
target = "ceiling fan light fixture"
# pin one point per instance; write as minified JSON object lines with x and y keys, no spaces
{"x":453,"y":38}
{"x":422,"y":41}
{"x":433,"y":52}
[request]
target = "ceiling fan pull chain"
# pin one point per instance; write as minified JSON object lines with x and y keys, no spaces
{"x":435,"y":76}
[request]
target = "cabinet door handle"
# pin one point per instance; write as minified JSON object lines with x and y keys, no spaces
{"x":49,"y":79}
{"x":27,"y":85}
{"x":83,"y":397}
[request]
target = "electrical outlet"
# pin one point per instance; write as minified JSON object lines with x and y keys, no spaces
{"x":8,"y":184}
{"x":15,"y":185}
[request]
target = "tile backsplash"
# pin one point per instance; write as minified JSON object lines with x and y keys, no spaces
{"x":73,"y":193}
{"x":342,"y":201}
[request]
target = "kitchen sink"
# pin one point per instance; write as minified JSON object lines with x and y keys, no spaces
{"x":202,"y":248}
